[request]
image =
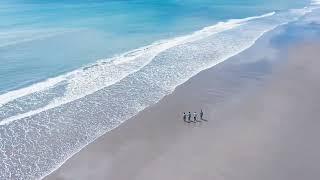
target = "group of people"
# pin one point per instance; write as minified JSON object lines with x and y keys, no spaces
{"x":195,"y":116}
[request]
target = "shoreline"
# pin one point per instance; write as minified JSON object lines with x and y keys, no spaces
{"x":260,"y":38}
{"x":130,"y":123}
{"x":78,"y":125}
{"x":236,"y":54}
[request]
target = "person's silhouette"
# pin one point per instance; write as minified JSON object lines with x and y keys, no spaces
{"x":189,"y":116}
{"x":201,"y":114}
{"x":184,"y":117}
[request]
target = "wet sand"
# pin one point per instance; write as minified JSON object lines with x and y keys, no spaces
{"x":262,"y":109}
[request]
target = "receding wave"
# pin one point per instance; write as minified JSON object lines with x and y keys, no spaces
{"x":50,"y":122}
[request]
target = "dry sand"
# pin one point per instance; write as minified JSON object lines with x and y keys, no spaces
{"x":262,"y":124}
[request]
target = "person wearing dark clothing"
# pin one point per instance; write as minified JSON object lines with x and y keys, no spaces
{"x":189,"y":117}
{"x":195,"y":116}
{"x":184,"y":117}
{"x":201,"y":114}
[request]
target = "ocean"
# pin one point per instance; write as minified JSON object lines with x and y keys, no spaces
{"x":70,"y":71}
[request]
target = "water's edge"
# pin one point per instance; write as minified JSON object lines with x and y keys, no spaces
{"x":141,"y":111}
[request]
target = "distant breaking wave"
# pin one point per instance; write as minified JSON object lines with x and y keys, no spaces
{"x":48,"y":122}
{"x":315,"y":2}
{"x":13,"y":37}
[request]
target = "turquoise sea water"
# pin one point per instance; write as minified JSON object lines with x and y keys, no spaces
{"x":71,"y":70}
{"x":41,"y":39}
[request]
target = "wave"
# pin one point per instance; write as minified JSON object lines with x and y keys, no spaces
{"x":87,"y":80}
{"x":315,"y":2}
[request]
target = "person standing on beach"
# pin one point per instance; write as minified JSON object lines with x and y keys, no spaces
{"x":195,"y":116}
{"x":189,"y":116}
{"x":184,"y":117}
{"x":201,"y":114}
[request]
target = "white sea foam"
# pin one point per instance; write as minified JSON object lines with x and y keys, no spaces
{"x":85,"y":81}
{"x":315,"y":2}
{"x":7,"y":97}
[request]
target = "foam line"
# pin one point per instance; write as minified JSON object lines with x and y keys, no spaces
{"x":15,"y":94}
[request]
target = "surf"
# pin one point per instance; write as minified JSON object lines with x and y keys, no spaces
{"x":105,"y":72}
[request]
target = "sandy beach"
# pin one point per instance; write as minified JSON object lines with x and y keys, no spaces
{"x":262,"y":110}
